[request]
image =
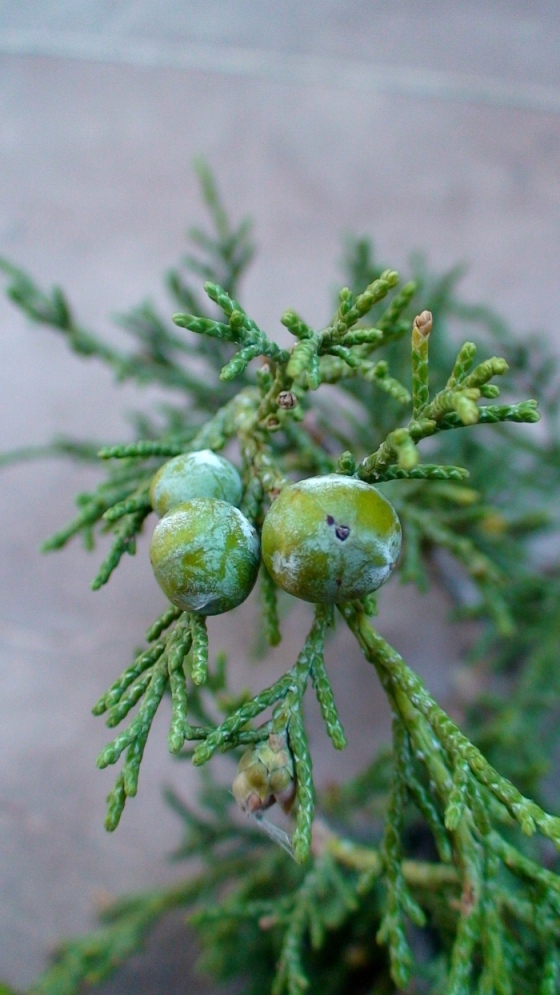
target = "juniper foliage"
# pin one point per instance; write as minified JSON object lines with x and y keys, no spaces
{"x":433,"y":869}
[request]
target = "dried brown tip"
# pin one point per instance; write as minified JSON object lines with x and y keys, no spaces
{"x":423,"y":323}
{"x":287,"y":399}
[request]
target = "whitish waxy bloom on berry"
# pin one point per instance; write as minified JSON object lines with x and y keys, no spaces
{"x":265,"y":775}
{"x":194,"y":475}
{"x":330,"y":539}
{"x":205,"y":556}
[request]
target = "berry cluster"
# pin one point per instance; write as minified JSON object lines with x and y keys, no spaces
{"x":326,"y":539}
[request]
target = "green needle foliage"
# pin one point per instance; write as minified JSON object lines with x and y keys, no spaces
{"x":433,"y":870}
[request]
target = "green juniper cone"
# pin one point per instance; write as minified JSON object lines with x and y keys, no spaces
{"x":430,"y":871}
{"x":330,"y":539}
{"x":205,"y":556}
{"x":193,"y":475}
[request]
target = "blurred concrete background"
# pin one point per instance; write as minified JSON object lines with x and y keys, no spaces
{"x":433,"y":126}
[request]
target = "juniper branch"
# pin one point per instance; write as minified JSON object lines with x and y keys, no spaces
{"x":527,"y":813}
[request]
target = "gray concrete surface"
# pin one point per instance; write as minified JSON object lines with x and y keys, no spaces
{"x":428,"y":125}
